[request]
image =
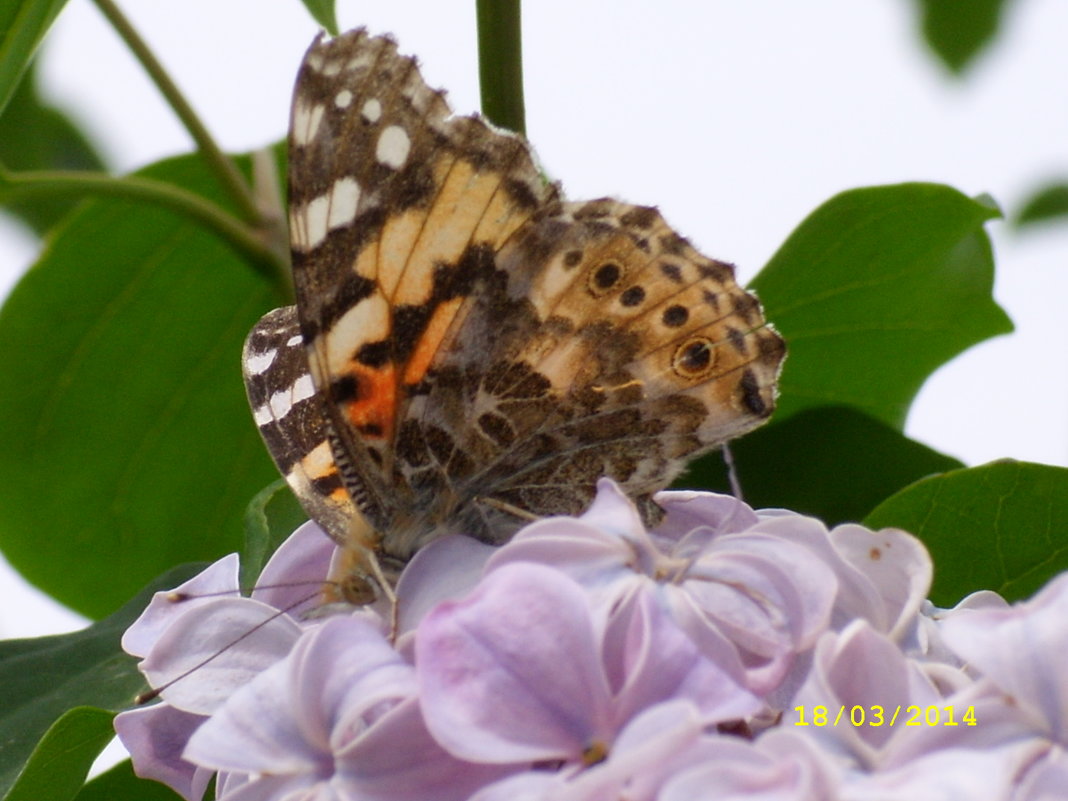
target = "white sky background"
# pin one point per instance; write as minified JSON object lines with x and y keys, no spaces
{"x":736,"y":118}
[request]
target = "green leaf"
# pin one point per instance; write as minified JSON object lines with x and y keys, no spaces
{"x":834,"y":463}
{"x":61,"y":760}
{"x":43,"y":678}
{"x":875,"y":290}
{"x":127,"y":445}
{"x":958,"y":30}
{"x":271,"y":516}
{"x":322,"y":11}
{"x":36,"y":136}
{"x":23,"y":24}
{"x":1001,"y":527}
{"x":1049,"y":202}
{"x":121,"y":784}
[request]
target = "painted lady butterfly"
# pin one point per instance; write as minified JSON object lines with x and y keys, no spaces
{"x":468,"y":350}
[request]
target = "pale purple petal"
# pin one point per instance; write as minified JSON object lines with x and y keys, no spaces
{"x":258,"y":732}
{"x":612,"y":511}
{"x":398,"y":760}
{"x":590,"y":555}
{"x":897,"y":565}
{"x":657,"y":744}
{"x":533,"y":785}
{"x":165,"y":607}
{"x":336,"y":719}
{"x":292,"y":580}
{"x":858,"y":668}
{"x":340,"y":676}
{"x":156,"y":736}
{"x":1046,"y":779}
{"x":926,"y":641}
{"x":301,"y":787}
{"x":985,"y":720}
{"x":512,"y":673}
{"x":686,"y":511}
{"x":1021,"y":649}
{"x":948,"y":775}
{"x":206,"y":654}
{"x":449,"y":567}
{"x":765,"y":591}
{"x":856,"y":595}
{"x":741,"y":772}
{"x":770,"y":597}
{"x":657,"y":662}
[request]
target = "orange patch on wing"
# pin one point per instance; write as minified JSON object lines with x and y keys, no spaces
{"x":374,"y":411}
{"x":430,"y":342}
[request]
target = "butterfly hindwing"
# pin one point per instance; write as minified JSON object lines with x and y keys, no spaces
{"x":631,"y":353}
{"x":292,"y":420}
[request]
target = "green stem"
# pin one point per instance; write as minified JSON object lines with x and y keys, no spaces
{"x":221,"y":165}
{"x":500,"y":63}
{"x":166,"y":195}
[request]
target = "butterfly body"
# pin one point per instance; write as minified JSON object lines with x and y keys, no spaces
{"x":468,"y":349}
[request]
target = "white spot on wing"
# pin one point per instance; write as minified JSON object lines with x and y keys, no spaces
{"x":343,"y":98}
{"x":282,"y":402}
{"x":259,"y":362}
{"x":344,"y":197}
{"x":294,"y":340}
{"x":314,"y":221}
{"x":309,"y":225}
{"x":393,"y":147}
{"x":360,"y":60}
{"x":306,"y":119}
{"x":371,"y":110}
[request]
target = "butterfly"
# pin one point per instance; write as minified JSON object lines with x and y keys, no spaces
{"x":469,"y":350}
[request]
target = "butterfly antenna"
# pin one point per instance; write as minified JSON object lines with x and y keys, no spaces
{"x":151,"y":695}
{"x":732,"y":472}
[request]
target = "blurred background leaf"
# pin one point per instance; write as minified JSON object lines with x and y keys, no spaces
{"x":323,"y":12}
{"x":127,"y":443}
{"x":1002,"y":526}
{"x":61,"y":760}
{"x":957,"y":31}
{"x":38,"y":136}
{"x":1046,"y":203}
{"x":120,"y":784}
{"x":833,"y":462}
{"x":272,"y":515}
{"x":23,"y":24}
{"x":874,"y":291}
{"x":44,"y":677}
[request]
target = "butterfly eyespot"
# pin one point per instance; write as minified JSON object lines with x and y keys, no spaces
{"x":695,"y":358}
{"x":572,"y":258}
{"x":632,"y":297}
{"x":605,"y":278}
{"x":675,"y":316}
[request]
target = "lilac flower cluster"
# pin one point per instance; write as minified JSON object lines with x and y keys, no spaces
{"x":726,"y":654}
